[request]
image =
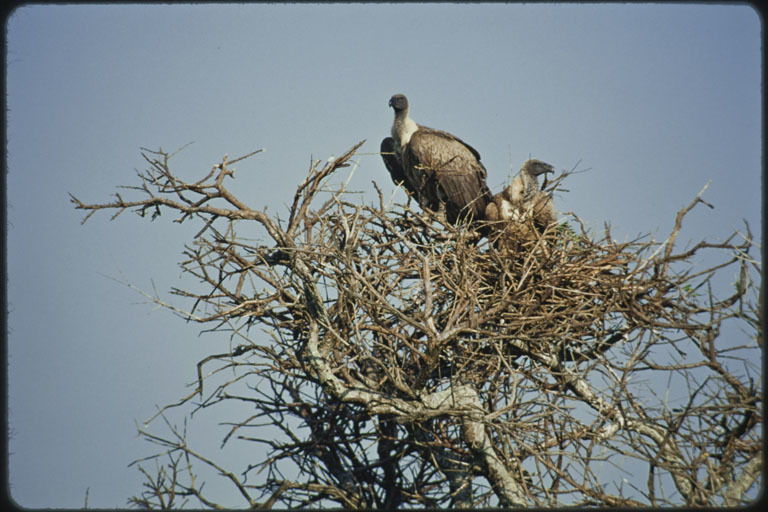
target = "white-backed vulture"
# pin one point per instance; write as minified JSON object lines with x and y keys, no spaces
{"x":522,"y":200}
{"x":438,"y":169}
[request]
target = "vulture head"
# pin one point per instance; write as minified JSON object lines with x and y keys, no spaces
{"x":399,"y":102}
{"x":535,"y":167}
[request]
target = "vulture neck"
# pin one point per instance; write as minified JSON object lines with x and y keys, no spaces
{"x":526,"y":186}
{"x":403,"y":127}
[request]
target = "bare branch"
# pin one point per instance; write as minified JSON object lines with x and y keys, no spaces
{"x":409,"y":364}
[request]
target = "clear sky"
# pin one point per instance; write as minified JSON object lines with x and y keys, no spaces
{"x":655,"y":100}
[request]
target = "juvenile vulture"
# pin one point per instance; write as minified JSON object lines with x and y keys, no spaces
{"x":522,"y":200}
{"x":436,"y":168}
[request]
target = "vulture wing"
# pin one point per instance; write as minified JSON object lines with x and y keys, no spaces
{"x":446,"y":170}
{"x":395,"y":166}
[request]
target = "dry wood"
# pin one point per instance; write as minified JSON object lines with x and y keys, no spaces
{"x":519,"y":371}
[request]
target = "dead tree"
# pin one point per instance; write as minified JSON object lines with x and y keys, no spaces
{"x":427,"y":369}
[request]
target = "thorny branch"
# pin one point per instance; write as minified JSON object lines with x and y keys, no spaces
{"x":517,"y":373}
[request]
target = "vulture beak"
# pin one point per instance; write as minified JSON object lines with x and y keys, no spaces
{"x":391,"y":103}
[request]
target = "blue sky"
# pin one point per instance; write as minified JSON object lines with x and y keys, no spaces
{"x":655,"y":100}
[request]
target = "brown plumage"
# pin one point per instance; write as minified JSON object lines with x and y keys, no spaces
{"x":392,"y":161}
{"x":438,"y":169}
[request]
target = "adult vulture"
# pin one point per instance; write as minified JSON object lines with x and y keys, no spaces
{"x":522,"y":200}
{"x":438,"y":169}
